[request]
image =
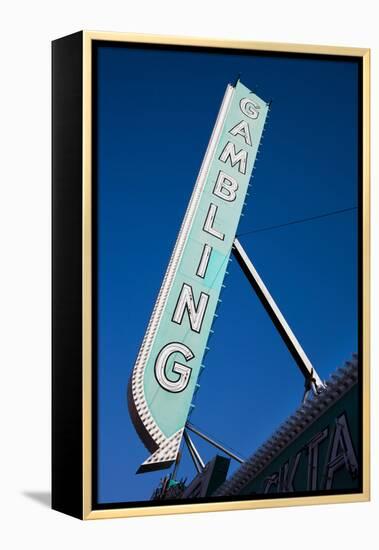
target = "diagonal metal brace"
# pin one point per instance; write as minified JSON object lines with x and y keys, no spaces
{"x":312,"y":379}
{"x":215,"y":443}
{"x":196,"y":458}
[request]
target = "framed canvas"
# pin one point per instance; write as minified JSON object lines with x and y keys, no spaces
{"x":210,"y":275}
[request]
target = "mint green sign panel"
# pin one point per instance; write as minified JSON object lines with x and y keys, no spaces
{"x":166,"y":372}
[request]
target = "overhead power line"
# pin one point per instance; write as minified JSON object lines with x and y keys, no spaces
{"x":293,"y":222}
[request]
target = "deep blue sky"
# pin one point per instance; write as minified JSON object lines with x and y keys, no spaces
{"x":156,"y":110}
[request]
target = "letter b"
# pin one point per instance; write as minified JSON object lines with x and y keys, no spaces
{"x":226,"y":187}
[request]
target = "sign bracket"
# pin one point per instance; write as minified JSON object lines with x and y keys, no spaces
{"x":210,"y":440}
{"x":195,"y":455}
{"x":312,"y":380}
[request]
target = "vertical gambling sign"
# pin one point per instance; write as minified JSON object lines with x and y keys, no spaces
{"x":166,"y":371}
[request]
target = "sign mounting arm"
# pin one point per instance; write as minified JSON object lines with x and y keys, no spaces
{"x":312,"y":379}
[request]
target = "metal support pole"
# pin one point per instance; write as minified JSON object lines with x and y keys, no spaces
{"x":312,"y":379}
{"x":196,"y":431}
{"x":196,"y":458}
{"x":176,"y":464}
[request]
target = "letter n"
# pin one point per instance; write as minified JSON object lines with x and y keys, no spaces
{"x":195,"y":312}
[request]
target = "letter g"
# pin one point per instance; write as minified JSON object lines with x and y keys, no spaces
{"x":183,"y":370}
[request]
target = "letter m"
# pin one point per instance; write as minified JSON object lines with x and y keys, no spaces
{"x":229,"y":152}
